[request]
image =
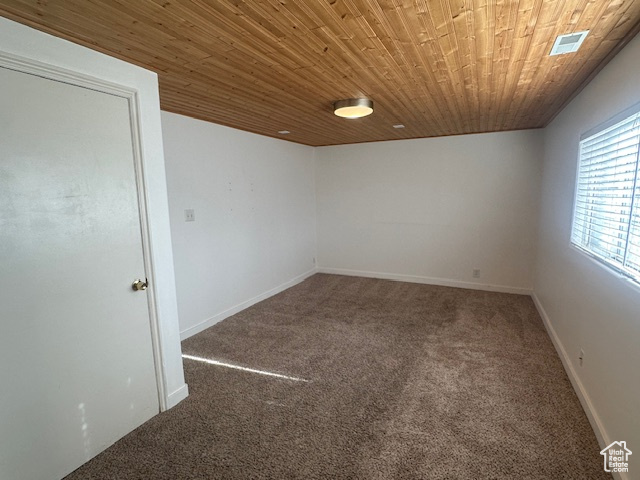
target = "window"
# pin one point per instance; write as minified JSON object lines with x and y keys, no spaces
{"x":606,"y":216}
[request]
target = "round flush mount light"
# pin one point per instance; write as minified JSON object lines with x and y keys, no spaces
{"x":353,"y":107}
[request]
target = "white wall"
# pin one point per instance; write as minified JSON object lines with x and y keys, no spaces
{"x":432,"y":210}
{"x":587,"y":305}
{"x":25,"y":42}
{"x":254,"y":232}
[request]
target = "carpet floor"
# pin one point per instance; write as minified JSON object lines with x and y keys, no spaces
{"x":387,"y":380}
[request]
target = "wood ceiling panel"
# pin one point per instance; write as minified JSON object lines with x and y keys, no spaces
{"x":440,"y":67}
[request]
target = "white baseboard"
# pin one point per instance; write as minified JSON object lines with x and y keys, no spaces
{"x":444,"y":282}
{"x":246,"y":304}
{"x":177,"y":396}
{"x":598,"y":428}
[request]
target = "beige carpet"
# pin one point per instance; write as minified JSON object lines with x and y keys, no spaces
{"x":403,"y":381}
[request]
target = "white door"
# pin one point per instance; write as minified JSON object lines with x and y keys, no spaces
{"x":76,"y":358}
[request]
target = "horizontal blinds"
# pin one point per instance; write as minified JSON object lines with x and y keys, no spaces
{"x":632,"y":261}
{"x":607,"y":207}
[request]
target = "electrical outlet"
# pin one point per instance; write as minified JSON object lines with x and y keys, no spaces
{"x":581,"y":356}
{"x":189,"y":215}
{"x":476,"y":273}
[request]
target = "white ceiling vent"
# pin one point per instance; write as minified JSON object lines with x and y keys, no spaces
{"x":568,"y":43}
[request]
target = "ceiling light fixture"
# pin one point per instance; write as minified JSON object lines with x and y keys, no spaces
{"x":284,"y":132}
{"x":353,"y":107}
{"x":398,"y":125}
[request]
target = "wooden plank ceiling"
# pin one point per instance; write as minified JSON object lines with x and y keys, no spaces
{"x":439,"y":67}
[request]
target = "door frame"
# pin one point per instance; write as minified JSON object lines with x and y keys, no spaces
{"x":59,"y":74}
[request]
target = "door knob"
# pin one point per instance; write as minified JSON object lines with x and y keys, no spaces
{"x":139,"y":285}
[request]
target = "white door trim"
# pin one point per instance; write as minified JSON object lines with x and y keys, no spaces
{"x":53,"y":72}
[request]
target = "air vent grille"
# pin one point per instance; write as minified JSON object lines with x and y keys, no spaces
{"x":568,"y":43}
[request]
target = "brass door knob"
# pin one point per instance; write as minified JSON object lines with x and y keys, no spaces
{"x":139,"y":285}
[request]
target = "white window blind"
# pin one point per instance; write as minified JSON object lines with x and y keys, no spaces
{"x":606,"y":218}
